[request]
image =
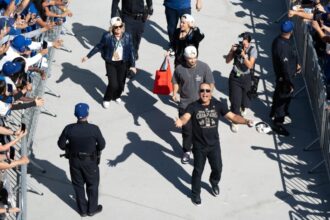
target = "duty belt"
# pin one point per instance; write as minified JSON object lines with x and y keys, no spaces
{"x":83,"y":155}
{"x":138,"y":16}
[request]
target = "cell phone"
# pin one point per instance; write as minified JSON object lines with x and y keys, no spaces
{"x":12,"y":153}
{"x":44,"y":44}
{"x":9,"y":88}
{"x":23,"y":127}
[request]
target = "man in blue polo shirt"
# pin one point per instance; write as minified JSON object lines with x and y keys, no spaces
{"x":174,"y":9}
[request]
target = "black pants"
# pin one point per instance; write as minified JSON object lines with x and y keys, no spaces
{"x":238,"y":88}
{"x":116,"y":72}
{"x":85,"y":172}
{"x":186,"y":133}
{"x":280,"y":105}
{"x":201,"y":153}
{"x":135,"y":27}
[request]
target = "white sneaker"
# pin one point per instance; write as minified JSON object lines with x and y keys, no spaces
{"x":106,"y":104}
{"x":234,"y":128}
{"x":118,"y":100}
{"x":287,"y":120}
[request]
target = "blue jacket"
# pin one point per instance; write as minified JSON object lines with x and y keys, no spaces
{"x":107,"y":45}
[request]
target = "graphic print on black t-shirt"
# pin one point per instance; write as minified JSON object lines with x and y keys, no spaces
{"x":205,"y":121}
{"x":207,"y":118}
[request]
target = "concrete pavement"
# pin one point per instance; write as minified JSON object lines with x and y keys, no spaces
{"x":264,"y":176}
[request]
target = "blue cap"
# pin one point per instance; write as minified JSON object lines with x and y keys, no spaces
{"x":10,"y":68}
{"x":20,"y":43}
{"x":286,"y":26}
{"x":81,"y":110}
{"x":6,"y":22}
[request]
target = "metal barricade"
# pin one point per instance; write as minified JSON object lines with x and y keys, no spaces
{"x":30,"y":118}
{"x":315,"y":86}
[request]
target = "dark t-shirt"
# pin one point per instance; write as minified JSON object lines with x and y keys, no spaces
{"x":205,"y":120}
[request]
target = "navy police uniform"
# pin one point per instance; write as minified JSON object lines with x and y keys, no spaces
{"x":83,"y":142}
{"x":133,"y":13}
{"x":285,"y":65}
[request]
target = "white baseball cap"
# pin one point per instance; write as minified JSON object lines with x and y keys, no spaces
{"x":116,"y":21}
{"x":190,"y":52}
{"x":188,"y":18}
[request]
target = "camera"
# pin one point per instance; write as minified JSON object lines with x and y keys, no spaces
{"x":317,"y":15}
{"x":239,"y":49}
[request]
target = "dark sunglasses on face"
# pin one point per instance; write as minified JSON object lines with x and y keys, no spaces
{"x":205,"y":90}
{"x":117,"y":27}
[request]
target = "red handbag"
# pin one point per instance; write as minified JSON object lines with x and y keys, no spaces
{"x":163,"y":79}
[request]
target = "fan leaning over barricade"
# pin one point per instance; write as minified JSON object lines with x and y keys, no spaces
{"x":22,"y":47}
{"x":186,"y":80}
{"x":9,"y":95}
{"x":117,"y":50}
{"x":204,"y":115}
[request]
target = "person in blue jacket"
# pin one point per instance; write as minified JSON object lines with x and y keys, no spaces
{"x":117,"y":50}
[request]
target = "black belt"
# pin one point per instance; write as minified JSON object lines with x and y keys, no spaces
{"x":138,"y":16}
{"x":83,"y":156}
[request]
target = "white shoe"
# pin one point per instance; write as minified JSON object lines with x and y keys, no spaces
{"x":287,"y":120}
{"x":106,"y":104}
{"x":234,"y":128}
{"x":118,"y":100}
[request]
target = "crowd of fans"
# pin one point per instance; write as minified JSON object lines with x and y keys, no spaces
{"x":317,"y":16}
{"x":23,"y":58}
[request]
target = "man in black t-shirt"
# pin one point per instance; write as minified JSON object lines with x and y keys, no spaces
{"x":204,"y":115}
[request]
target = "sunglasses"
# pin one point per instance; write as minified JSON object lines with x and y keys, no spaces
{"x":205,"y":90}
{"x":117,"y":27}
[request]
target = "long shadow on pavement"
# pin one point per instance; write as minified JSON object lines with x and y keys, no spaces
{"x":55,"y":180}
{"x":89,"y":81}
{"x":157,"y":156}
{"x":308,"y":195}
{"x":152,"y":35}
{"x":158,"y":121}
{"x":87,"y":35}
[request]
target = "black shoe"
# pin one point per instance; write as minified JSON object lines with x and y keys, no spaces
{"x":98,"y":210}
{"x":279,"y":129}
{"x":215,"y":190}
{"x":83,"y":214}
{"x":185,"y":158}
{"x":196,"y":201}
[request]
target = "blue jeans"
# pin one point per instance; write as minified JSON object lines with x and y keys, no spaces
{"x":172,"y":18}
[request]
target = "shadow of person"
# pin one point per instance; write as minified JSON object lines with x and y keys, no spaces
{"x":141,"y":105}
{"x":221,"y":82}
{"x":88,"y":80}
{"x":158,"y":157}
{"x":152,"y":35}
{"x":87,"y":35}
{"x":55,"y":180}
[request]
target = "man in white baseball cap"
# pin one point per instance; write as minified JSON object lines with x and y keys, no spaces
{"x":187,"y":78}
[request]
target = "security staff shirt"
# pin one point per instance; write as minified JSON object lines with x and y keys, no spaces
{"x":130,"y":7}
{"x":81,"y":137}
{"x":284,"y":59}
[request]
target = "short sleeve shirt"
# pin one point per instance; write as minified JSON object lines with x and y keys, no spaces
{"x":239,"y":61}
{"x":189,"y":80}
{"x":205,"y":120}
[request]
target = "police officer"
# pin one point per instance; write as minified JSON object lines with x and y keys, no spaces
{"x":285,"y":64}
{"x":134,"y":14}
{"x":83,"y":143}
{"x":244,"y":56}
